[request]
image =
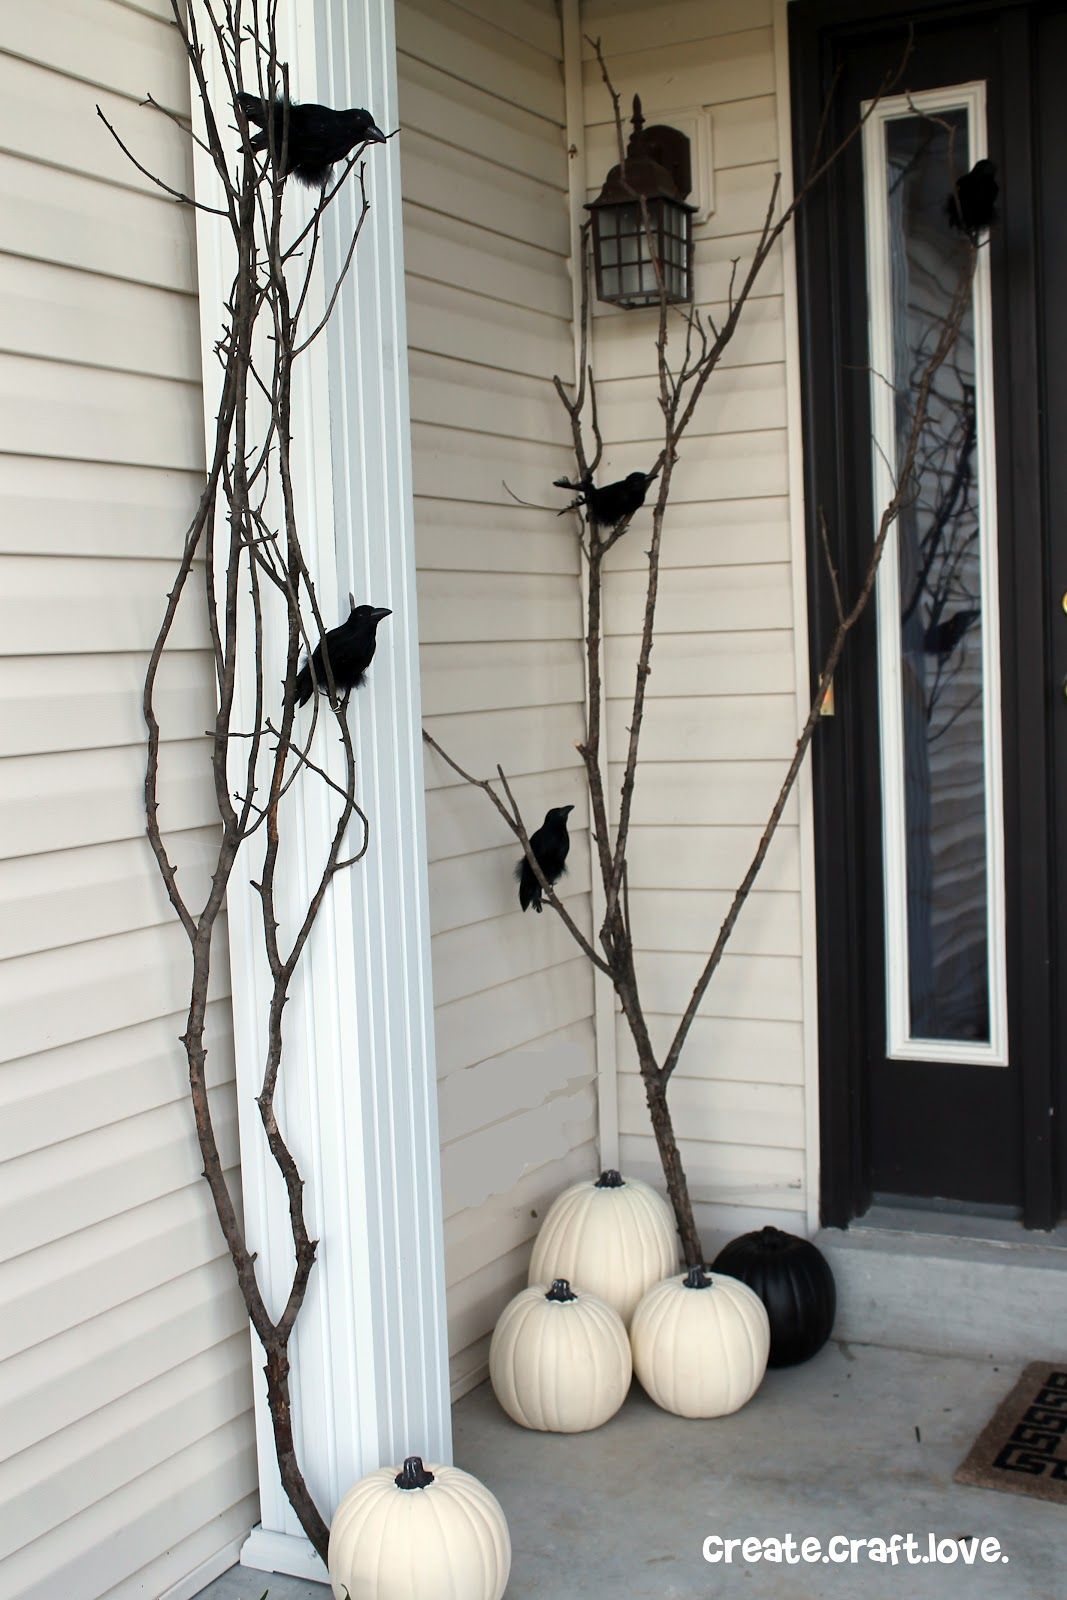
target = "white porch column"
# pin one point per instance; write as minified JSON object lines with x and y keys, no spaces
{"x":358,"y":1088}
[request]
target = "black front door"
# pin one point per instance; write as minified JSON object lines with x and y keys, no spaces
{"x":941,"y":780}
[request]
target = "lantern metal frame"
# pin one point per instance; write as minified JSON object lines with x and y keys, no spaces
{"x":641,"y":223}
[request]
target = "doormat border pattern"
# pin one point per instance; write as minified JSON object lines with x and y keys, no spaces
{"x":1023,"y":1447}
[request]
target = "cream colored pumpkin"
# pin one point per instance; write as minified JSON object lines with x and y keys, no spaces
{"x":559,"y":1361}
{"x":613,"y":1238}
{"x":700,"y":1344}
{"x":419,"y":1534}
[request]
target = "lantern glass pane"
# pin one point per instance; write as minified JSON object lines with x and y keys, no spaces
{"x":627,"y":254}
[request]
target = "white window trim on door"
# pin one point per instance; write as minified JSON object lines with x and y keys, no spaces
{"x":358,"y":1093}
{"x":900,"y":1045}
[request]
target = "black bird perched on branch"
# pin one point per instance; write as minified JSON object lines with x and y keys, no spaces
{"x":549,"y":845}
{"x":350,"y":649}
{"x":972,"y":206}
{"x":942,"y":638}
{"x":318,"y":135}
{"x":609,"y":505}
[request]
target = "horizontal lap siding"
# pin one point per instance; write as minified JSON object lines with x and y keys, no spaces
{"x":720,"y":717}
{"x":489,"y":307}
{"x":127,"y":1449}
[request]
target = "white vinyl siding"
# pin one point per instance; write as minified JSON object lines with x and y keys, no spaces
{"x":127,"y":1457}
{"x":127,"y":1448}
{"x":722,"y":714}
{"x":489,"y":308}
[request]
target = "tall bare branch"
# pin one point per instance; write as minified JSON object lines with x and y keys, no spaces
{"x":245,"y":537}
{"x":680,"y":388}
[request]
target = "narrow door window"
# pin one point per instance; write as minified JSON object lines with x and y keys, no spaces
{"x":938,"y":634}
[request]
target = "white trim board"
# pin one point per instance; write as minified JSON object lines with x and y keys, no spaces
{"x":213,"y":1567}
{"x":799,"y":565}
{"x":900,"y":1045}
{"x":288,"y":1553}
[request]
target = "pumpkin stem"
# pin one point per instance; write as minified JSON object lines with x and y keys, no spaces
{"x":772,"y":1238}
{"x":413,"y":1475}
{"x":697,"y":1278}
{"x":561,"y":1292}
{"x":611,"y":1179}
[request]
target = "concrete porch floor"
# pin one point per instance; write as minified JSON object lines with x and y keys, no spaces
{"x":862,"y":1441}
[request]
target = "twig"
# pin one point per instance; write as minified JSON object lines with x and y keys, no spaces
{"x":529,"y":504}
{"x":176,"y":194}
{"x":514,"y":821}
{"x":835,"y":584}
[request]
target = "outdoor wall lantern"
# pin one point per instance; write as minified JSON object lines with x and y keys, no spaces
{"x":658,"y":169}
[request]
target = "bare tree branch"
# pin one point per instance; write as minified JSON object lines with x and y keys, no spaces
{"x":680,"y":389}
{"x":236,"y":547}
{"x":514,"y":821}
{"x":175,"y":194}
{"x":902,"y":495}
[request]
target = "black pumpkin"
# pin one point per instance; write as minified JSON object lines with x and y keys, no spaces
{"x":793,"y":1279}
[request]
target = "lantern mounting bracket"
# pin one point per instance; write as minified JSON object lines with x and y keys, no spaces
{"x":668,"y":147}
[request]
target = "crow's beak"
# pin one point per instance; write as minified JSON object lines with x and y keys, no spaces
{"x":649,"y":476}
{"x":379,"y":612}
{"x":568,"y":809}
{"x":374,"y":135}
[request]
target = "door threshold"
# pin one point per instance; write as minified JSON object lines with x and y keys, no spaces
{"x":948,"y":1219}
{"x":950,"y":1284}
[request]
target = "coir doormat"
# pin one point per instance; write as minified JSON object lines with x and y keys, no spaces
{"x":1023,"y":1448}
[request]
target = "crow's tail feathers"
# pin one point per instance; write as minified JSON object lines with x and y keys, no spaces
{"x":581,"y":489}
{"x":254,"y":108}
{"x":304,"y":685}
{"x":529,"y":888}
{"x":312,"y":176}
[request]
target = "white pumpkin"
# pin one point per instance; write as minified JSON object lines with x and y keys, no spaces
{"x":419,"y":1534}
{"x":559,"y":1362}
{"x":613,"y":1238}
{"x":700,"y":1343}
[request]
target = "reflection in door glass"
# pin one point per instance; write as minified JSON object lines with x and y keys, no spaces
{"x":940,"y":567}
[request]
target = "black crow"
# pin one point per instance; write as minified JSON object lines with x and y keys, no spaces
{"x":549,"y":845}
{"x":350,"y":649}
{"x":609,"y":505}
{"x":972,"y":207}
{"x":318,"y":136}
{"x":942,"y":638}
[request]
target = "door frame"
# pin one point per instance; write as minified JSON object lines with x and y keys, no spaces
{"x":843,"y":835}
